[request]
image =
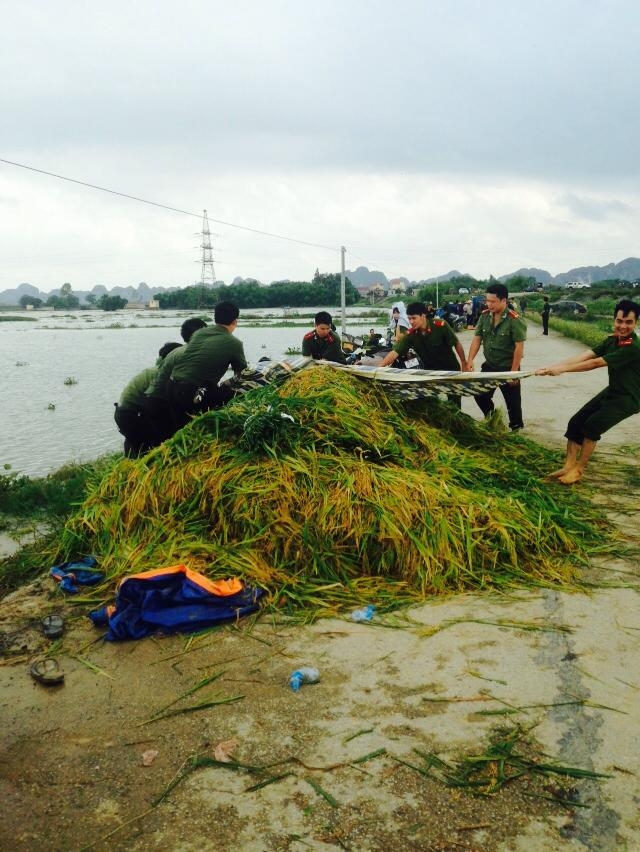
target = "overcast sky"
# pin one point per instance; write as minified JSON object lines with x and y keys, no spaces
{"x":424,"y":136}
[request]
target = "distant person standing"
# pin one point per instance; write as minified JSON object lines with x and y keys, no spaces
{"x":399,"y":323}
{"x":523,"y":305}
{"x":193,"y":387}
{"x":322,"y":343}
{"x":544,"y":313}
{"x":620,"y":354}
{"x":502,"y":334}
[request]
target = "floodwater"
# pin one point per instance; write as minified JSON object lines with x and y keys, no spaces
{"x":45,"y":423}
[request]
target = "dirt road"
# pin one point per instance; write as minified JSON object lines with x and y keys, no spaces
{"x":347,"y":755}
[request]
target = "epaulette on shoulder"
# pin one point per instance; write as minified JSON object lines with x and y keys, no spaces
{"x":439,"y":322}
{"x":513,"y":314}
{"x":308,"y":335}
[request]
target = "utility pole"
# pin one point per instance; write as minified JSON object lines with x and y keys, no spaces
{"x":207,"y":273}
{"x":343,"y":291}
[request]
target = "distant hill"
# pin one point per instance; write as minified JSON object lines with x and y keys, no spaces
{"x":627,"y":269}
{"x":363,"y":277}
{"x":12,"y":297}
{"x":440,"y":278}
{"x":141,"y":293}
{"x":540,"y":275}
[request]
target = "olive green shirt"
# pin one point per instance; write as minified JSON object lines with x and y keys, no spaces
{"x":323,"y":348}
{"x":499,"y":341}
{"x":623,"y":363}
{"x":133,"y":394}
{"x":208,"y":355}
{"x":158,"y":387}
{"x":434,"y":345}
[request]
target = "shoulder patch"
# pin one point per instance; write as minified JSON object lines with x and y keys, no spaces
{"x":513,"y":314}
{"x":309,"y":335}
{"x":439,"y":322}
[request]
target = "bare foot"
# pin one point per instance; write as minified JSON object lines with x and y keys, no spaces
{"x":574,"y":475}
{"x":556,"y":474}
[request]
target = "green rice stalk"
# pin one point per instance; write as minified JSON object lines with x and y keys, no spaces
{"x":321,"y":792}
{"x":369,"y":499}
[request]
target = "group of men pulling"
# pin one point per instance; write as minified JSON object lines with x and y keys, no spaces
{"x":185,"y":381}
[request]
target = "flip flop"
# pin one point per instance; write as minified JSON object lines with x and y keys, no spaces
{"x":47,"y":672}
{"x":53,"y":626}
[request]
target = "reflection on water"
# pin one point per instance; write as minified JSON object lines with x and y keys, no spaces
{"x":45,"y":423}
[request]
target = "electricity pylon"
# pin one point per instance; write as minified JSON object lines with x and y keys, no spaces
{"x":207,"y":273}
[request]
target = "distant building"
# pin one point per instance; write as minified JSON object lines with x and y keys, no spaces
{"x":376,"y":290}
{"x":396,"y":285}
{"x":153,"y":304}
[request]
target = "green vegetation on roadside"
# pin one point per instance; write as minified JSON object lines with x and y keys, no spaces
{"x":589,"y":333}
{"x":48,"y":501}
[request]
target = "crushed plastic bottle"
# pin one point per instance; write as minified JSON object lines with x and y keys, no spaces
{"x":364,"y":614}
{"x":303,"y":675}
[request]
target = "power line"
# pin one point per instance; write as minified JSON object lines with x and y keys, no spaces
{"x":168,"y":206}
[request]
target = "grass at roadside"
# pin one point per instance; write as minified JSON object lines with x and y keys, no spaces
{"x":589,"y":333}
{"x":46,"y":501}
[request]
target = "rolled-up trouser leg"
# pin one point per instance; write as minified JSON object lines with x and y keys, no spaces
{"x":600,"y":414}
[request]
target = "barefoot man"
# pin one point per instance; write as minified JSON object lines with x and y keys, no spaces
{"x":620,"y":353}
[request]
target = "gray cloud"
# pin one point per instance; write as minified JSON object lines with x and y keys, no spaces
{"x":594,"y":209}
{"x":423,"y":86}
{"x":485,"y":135}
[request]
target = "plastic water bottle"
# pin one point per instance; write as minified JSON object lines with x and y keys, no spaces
{"x":303,"y":675}
{"x":364,"y":614}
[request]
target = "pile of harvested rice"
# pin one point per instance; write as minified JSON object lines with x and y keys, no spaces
{"x":352,"y":495}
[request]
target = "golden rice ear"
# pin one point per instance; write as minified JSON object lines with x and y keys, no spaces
{"x":375,"y":498}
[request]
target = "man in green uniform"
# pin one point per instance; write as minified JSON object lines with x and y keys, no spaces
{"x":502,"y":334}
{"x":544,"y":313}
{"x":131,"y":415}
{"x":434,"y":342}
{"x":193,"y":387}
{"x":620,"y":353}
{"x":157,"y":408}
{"x":322,"y":343}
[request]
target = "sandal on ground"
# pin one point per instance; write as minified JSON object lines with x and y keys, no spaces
{"x":47,"y":671}
{"x":53,"y":626}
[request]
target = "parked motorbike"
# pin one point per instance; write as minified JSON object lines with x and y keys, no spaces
{"x":456,"y":321}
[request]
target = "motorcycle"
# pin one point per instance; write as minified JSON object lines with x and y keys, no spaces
{"x":456,"y":321}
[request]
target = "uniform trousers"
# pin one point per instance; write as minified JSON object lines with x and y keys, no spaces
{"x":187,"y":399}
{"x":599,"y":415}
{"x":132,"y":423}
{"x":510,"y":392}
